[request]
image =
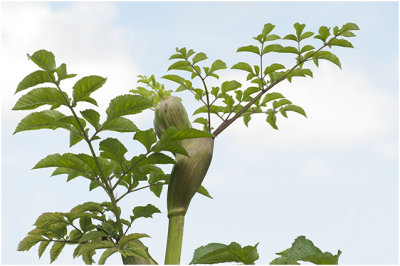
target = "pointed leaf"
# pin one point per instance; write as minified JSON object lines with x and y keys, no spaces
{"x":203,"y":191}
{"x":62,"y":73}
{"x":199,"y":57}
{"x":48,"y":119}
{"x":113,"y":149}
{"x":147,"y":138}
{"x":327,"y":56}
{"x":29,"y":241}
{"x":190,"y":133}
{"x":56,"y":250}
{"x":145,"y":211}
{"x":267,"y":29}
{"x":44,"y":59}
{"x":92,"y":117}
{"x":107,"y":254}
{"x":249,"y":48}
{"x":272,"y":48}
{"x":85,"y":86}
{"x":33,"y":79}
{"x":295,"y":108}
{"x":272,"y":68}
{"x":127,"y":105}
{"x":217,"y":65}
{"x":230,"y":85}
{"x":92,"y":235}
{"x":180,"y":65}
{"x":157,"y":158}
{"x":42,"y":247}
{"x":271,"y":119}
{"x":130,"y":249}
{"x":243,"y":66}
{"x":39,"y":97}
{"x":120,"y":124}
{"x":341,"y":42}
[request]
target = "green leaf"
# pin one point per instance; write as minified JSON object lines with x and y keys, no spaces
{"x":92,"y":117}
{"x":39,"y":97}
{"x":291,"y":37}
{"x":340,"y":42}
{"x":107,"y":254}
{"x":86,"y":224}
{"x":157,"y":158}
{"x":230,"y":85}
{"x":47,"y":119}
{"x":48,"y":218}
{"x":272,"y":96}
{"x":130,"y":249}
{"x":169,"y":146}
{"x":89,"y":206}
{"x":217,"y":65}
{"x":91,"y":246}
{"x":327,"y":56}
{"x":267,"y":29}
{"x":246,"y":120}
{"x":145,"y":211}
{"x":243,"y":66}
{"x":56,"y":250}
{"x":203,"y":191}
{"x":303,"y":249}
{"x":113,"y":149}
{"x":92,"y":235}
{"x":323,"y":33}
{"x":130,"y":238}
{"x":306,"y":48}
{"x":272,"y":48}
{"x":248,"y":92}
{"x":42,"y":247}
{"x":33,"y":79}
{"x":147,"y":138}
{"x":86,"y":86}
{"x":272,"y":37}
{"x":272,"y":68}
{"x":288,"y":49}
{"x":120,"y":124}
{"x":62,"y":73}
{"x":295,"y":108}
{"x":306,"y":35}
{"x":28,"y":242}
{"x":299,"y":29}
{"x":176,"y":78}
{"x":180,"y":65}
{"x":44,"y":59}
{"x":127,"y":105}
{"x":279,"y":103}
{"x":220,"y":253}
{"x":271,"y":119}
{"x":249,"y":48}
{"x":349,"y":26}
{"x":199,"y":57}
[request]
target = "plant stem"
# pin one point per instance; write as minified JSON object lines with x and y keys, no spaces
{"x":174,"y":241}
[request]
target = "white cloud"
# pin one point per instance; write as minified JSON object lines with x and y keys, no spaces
{"x":343,"y":109}
{"x":85,"y":36}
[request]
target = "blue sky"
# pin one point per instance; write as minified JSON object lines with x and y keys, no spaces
{"x":332,"y":177}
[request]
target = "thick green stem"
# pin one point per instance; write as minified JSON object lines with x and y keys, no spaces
{"x":174,"y":241}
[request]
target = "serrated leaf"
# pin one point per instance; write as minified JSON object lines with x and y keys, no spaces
{"x":199,"y":57}
{"x":86,"y":224}
{"x":221,"y":253}
{"x":272,"y":96}
{"x":42,"y":247}
{"x":129,"y":238}
{"x":130,"y":249}
{"x":127,"y":105}
{"x":47,"y":119}
{"x":249,"y":48}
{"x":157,"y":158}
{"x":303,"y":249}
{"x":48,"y":218}
{"x":28,"y":242}
{"x":44,"y":59}
{"x":120,"y":124}
{"x":92,"y":117}
{"x":56,"y":250}
{"x":249,"y":91}
{"x":33,"y":79}
{"x":147,"y":138}
{"x":113,"y":149}
{"x":145,"y":211}
{"x":89,"y":206}
{"x":38,"y":97}
{"x":243,"y":66}
{"x":86,"y":86}
{"x":175,"y":78}
{"x":107,"y":254}
{"x":280,"y":103}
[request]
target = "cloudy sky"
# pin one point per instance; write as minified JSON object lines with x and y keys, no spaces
{"x":332,"y":177}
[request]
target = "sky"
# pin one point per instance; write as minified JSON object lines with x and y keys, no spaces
{"x":332,"y":177}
